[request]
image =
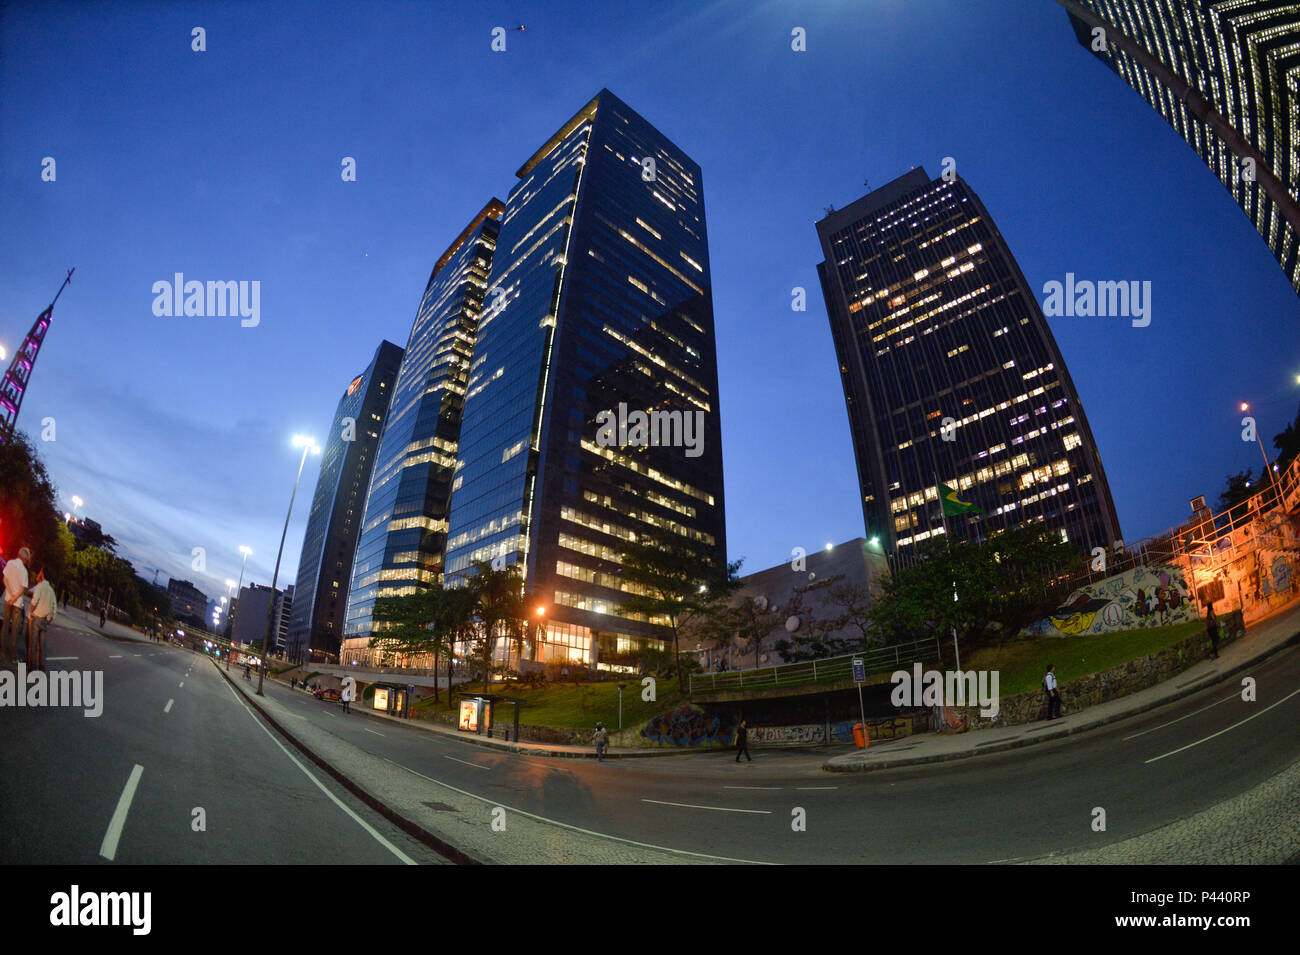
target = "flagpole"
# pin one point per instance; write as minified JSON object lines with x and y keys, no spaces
{"x":943,"y":517}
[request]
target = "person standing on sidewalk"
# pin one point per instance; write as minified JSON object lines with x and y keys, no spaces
{"x":40,"y":616}
{"x":601,"y":738}
{"x":15,"y":581}
{"x":1212,"y":630}
{"x":1053,"y":693}
{"x":742,"y":741}
{"x":346,"y":697}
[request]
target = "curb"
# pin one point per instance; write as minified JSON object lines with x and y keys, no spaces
{"x":1194,"y":687}
{"x":412,"y":829}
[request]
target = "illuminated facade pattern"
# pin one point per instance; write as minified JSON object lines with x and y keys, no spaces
{"x":404,"y":530}
{"x":1243,"y":57}
{"x":599,"y":294}
{"x":933,"y":321}
{"x":325,"y":567}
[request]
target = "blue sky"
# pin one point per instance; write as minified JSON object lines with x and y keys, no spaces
{"x":224,"y":165}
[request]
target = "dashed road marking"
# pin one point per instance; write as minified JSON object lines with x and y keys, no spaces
{"x":467,"y":763}
{"x":1224,"y":730}
{"x":108,"y":848}
{"x":168,"y":707}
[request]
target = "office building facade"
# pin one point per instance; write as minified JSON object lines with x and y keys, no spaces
{"x":951,"y":374}
{"x":1225,"y":74}
{"x":599,"y":303}
{"x":315,"y":626}
{"x":404,"y":528}
{"x":249,"y":624}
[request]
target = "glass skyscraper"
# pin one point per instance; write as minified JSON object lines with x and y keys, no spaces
{"x":1226,"y":75}
{"x":404,"y":530}
{"x":599,"y":302}
{"x":325,"y":567}
{"x":951,"y":374}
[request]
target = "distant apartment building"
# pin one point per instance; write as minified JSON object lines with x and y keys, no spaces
{"x":1225,"y":74}
{"x":314,"y":628}
{"x":951,"y":374}
{"x":249,"y":616}
{"x":188,"y":601}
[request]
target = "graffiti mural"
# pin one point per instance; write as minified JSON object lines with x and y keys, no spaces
{"x":688,"y":725}
{"x":1275,"y":572}
{"x":1142,"y":597}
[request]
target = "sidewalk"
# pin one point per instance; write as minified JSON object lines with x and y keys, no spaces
{"x":1261,"y":640}
{"x":559,"y":750}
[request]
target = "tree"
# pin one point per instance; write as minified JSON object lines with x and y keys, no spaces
{"x":28,"y":517}
{"x":679,"y":583}
{"x":1288,"y":444}
{"x":1240,"y":487}
{"x":1001,"y":585}
{"x":427,"y":621}
{"x":500,"y":611}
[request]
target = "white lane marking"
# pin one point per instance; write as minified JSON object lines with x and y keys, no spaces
{"x":137,"y":654}
{"x":182,"y":682}
{"x":108,"y":848}
{"x":813,"y":788}
{"x":117,"y":656}
{"x":328,"y":713}
{"x":1235,"y":696}
{"x":1222,"y":731}
{"x":168,"y":707}
{"x":475,"y":765}
{"x":372,"y":731}
{"x":686,"y":805}
{"x":63,"y":658}
{"x":565,"y":825}
{"x":753,"y":787}
{"x":334,"y":799}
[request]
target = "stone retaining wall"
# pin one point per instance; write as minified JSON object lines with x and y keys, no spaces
{"x":1109,"y":684}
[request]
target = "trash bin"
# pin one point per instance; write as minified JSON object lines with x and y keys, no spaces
{"x":860,"y":737}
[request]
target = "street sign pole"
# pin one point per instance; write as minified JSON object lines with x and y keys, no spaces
{"x":860,"y":677}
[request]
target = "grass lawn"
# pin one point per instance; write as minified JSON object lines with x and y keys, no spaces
{"x":581,"y":706}
{"x":1023,"y":662}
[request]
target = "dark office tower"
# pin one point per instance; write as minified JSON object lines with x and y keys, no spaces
{"x":404,"y":531}
{"x":316,"y":618}
{"x":939,"y":336}
{"x":1226,"y":75}
{"x":599,"y":301}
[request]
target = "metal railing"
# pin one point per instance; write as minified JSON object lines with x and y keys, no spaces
{"x":829,"y":670}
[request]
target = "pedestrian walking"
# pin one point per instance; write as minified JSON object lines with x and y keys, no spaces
{"x":742,"y":741}
{"x":15,"y":587}
{"x":1053,"y":693}
{"x":1212,"y":630}
{"x":346,"y":697}
{"x":103,"y":616}
{"x":41,"y":615}
{"x":601,"y":738}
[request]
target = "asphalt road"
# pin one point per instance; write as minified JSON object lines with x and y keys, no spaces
{"x":65,"y":774}
{"x":66,"y":792}
{"x":1144,"y":772}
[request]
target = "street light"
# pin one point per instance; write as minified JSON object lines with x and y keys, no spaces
{"x":76,"y":505}
{"x":309,"y":446}
{"x":1245,"y":406}
{"x":234,"y":607}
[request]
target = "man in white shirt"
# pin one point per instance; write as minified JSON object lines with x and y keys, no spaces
{"x":41,"y":614}
{"x":15,"y":581}
{"x":1053,"y":694}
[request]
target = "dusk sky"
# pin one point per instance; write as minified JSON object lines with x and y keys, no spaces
{"x":225,"y":165}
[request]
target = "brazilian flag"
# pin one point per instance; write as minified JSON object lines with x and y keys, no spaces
{"x":953,"y":503}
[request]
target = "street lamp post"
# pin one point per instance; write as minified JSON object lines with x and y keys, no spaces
{"x":234,"y":605}
{"x":308,"y":447}
{"x":1245,"y":406}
